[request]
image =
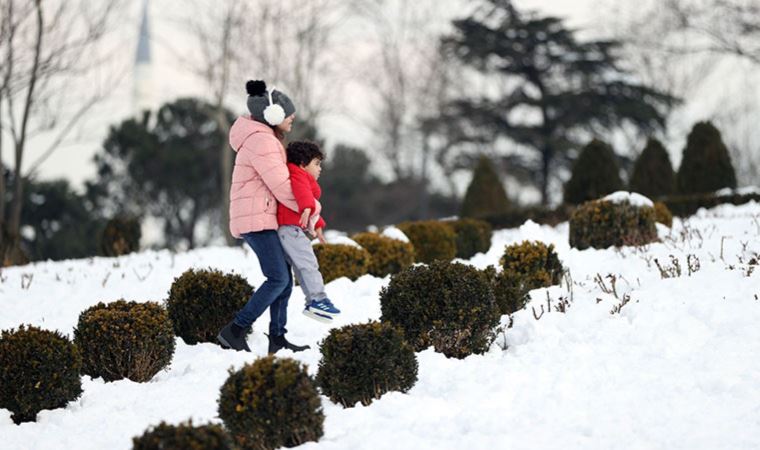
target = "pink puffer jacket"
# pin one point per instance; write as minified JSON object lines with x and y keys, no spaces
{"x":260,"y":178}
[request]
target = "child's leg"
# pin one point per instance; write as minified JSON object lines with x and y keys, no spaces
{"x":298,"y":248}
{"x":286,"y":235}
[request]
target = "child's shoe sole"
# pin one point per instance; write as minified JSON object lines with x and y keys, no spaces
{"x":318,"y":316}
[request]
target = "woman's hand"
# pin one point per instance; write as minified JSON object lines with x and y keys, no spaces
{"x":305,"y":218}
{"x":321,"y":236}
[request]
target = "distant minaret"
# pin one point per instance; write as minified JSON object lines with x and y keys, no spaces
{"x":143,"y":93}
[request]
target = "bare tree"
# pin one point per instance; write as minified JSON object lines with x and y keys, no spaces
{"x":722,"y":26}
{"x":403,"y":71}
{"x":43,"y":47}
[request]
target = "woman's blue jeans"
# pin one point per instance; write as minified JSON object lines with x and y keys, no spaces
{"x":275,"y":291}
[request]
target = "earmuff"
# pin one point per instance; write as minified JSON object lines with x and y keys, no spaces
{"x":273,"y":114}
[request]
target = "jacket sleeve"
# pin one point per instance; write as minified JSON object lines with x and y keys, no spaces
{"x":302,"y":190}
{"x":320,"y":223}
{"x":266,"y":158}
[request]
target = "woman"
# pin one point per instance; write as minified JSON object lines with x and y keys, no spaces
{"x":260,"y":180}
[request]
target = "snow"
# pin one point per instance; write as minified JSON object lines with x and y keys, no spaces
{"x":395,"y":233}
{"x":676,"y":368}
{"x":747,"y":190}
{"x":629,"y":197}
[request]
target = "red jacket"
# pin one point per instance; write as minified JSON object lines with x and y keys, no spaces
{"x":306,"y":190}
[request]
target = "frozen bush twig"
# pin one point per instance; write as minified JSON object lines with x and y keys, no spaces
{"x":612,"y":289}
{"x":626,"y":299}
{"x":692,"y":263}
{"x":26,"y":280}
{"x":671,"y":271}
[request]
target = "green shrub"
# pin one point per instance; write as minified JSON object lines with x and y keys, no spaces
{"x":387,"y":255}
{"x":432,"y":240}
{"x":525,"y":266}
{"x":601,"y":224}
{"x":706,"y":165}
{"x":485,"y":195}
{"x":450,"y":306}
{"x":653,"y":174}
{"x":201,"y":302}
{"x":120,"y":236}
{"x":124,"y":340}
{"x":271,"y":403}
{"x":362,"y":362}
{"x":184,"y":436}
{"x":662,"y":214}
{"x":341,"y":260}
{"x":39,"y":369}
{"x":595,"y":174}
{"x":473,"y":236}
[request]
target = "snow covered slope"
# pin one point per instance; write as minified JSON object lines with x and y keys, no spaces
{"x":677,"y":367}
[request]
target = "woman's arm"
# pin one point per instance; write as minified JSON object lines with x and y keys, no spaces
{"x":268,"y":161}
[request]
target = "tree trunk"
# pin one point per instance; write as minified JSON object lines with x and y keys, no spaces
{"x":226,"y":176}
{"x":2,"y":183}
{"x":424,"y":199}
{"x":546,"y":159}
{"x":12,"y":245}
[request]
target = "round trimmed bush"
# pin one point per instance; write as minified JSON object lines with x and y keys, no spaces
{"x":662,"y":214}
{"x":39,"y":369}
{"x":201,"y":302}
{"x":342,"y":260}
{"x":124,"y":340}
{"x":271,"y":403}
{"x":388,"y":255}
{"x":450,"y":306}
{"x":473,"y":236}
{"x":653,"y":174}
{"x":432,"y":240}
{"x":485,"y":195}
{"x":120,"y":236}
{"x":362,"y":362}
{"x":595,"y":174}
{"x":525,"y":266}
{"x":184,"y":436}
{"x":706,"y":164}
{"x":601,"y":224}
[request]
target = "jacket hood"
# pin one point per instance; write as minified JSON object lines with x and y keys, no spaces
{"x":244,"y":127}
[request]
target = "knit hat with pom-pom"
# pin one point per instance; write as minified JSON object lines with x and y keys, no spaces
{"x":258,"y":101}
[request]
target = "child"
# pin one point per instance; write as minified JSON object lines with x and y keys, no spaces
{"x":305,"y":165}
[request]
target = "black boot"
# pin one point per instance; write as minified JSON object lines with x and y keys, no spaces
{"x":233,"y":336}
{"x":279,"y":342}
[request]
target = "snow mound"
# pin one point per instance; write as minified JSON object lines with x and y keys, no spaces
{"x":394,"y":233}
{"x":629,"y":197}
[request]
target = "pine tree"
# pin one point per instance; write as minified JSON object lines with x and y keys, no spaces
{"x":485,"y":195}
{"x":653,"y":174}
{"x":560,"y":86}
{"x":595,"y":174}
{"x":706,"y":165}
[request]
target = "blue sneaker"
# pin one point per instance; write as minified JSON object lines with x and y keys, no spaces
{"x":321,"y":310}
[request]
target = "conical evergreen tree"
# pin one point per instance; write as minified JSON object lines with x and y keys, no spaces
{"x":653,"y":174}
{"x":485,"y":195}
{"x":706,"y":165}
{"x":595,"y":174}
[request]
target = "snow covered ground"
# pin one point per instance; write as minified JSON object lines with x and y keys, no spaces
{"x":678,"y":367}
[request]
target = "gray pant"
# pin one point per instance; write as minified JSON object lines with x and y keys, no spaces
{"x":301,"y":256}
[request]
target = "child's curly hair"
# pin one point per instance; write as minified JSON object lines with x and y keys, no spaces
{"x":302,"y":152}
